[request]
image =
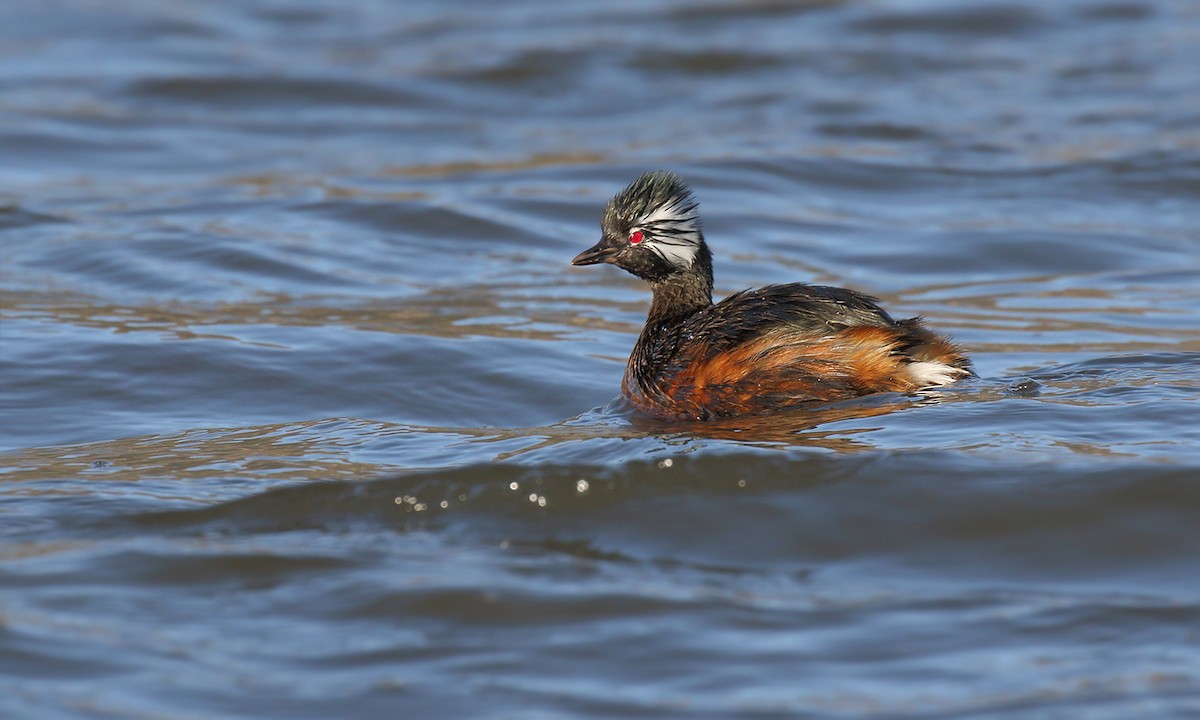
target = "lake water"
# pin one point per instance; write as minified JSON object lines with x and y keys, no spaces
{"x":304,"y":413}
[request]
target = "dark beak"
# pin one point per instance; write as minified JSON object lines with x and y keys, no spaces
{"x":602,"y":251}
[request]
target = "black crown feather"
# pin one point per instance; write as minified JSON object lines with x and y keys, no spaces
{"x":658,"y":190}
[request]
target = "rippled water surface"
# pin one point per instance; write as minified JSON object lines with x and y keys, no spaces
{"x":303,"y":412}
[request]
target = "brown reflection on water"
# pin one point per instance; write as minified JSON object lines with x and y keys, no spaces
{"x":324,"y":449}
{"x":496,"y":310}
{"x":799,"y":427}
{"x":286,"y":451}
{"x":538,"y":160}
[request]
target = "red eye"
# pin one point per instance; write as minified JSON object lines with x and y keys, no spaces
{"x":635,"y":237}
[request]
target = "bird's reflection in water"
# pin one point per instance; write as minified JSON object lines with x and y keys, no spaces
{"x":821,"y":425}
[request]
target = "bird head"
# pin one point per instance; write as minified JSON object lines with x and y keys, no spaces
{"x":651,"y":229}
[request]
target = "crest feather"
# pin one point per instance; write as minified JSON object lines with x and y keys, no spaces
{"x":662,"y":206}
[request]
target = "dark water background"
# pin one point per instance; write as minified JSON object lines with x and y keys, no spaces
{"x":304,"y":413}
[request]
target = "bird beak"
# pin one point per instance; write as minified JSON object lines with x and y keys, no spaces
{"x":601,"y":252}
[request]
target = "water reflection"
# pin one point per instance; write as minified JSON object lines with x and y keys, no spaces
{"x":497,"y":310}
{"x":801,"y":427}
{"x":350,"y":448}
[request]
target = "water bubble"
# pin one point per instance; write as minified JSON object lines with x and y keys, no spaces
{"x":1025,"y":387}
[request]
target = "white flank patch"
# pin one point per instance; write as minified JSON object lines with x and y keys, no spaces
{"x":673,"y":234}
{"x":926,"y":374}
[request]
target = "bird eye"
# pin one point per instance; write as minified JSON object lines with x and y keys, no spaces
{"x":635,"y":237}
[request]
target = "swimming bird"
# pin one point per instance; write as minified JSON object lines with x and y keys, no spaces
{"x":756,"y":351}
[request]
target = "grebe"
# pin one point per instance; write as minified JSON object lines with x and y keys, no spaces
{"x":757,"y":350}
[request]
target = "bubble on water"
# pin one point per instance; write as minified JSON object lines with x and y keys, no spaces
{"x":581,"y":486}
{"x":1024,"y":387}
{"x":666,"y":463}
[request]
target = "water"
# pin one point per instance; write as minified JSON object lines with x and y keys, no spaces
{"x":304,"y":413}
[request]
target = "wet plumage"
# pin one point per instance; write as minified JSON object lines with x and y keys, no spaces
{"x":757,"y":350}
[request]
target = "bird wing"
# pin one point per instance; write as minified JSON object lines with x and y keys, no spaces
{"x":797,"y":308}
{"x":783,"y":344}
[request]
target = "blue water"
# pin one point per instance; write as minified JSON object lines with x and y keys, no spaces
{"x":304,"y":413}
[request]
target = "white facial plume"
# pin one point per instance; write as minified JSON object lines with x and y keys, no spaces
{"x":672,"y":230}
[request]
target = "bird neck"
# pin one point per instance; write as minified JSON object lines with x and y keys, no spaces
{"x":682,"y":294}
